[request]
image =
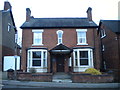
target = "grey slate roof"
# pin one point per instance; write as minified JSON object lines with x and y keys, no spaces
{"x":37,"y":23}
{"x":113,"y":25}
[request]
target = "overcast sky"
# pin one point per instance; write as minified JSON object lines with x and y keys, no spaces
{"x":101,"y":9}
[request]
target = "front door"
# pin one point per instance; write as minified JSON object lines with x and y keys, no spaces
{"x":60,"y":63}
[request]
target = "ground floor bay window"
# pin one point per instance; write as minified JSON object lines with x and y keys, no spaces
{"x":37,"y":59}
{"x":83,"y":59}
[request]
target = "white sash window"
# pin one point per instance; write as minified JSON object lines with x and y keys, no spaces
{"x":83,"y":59}
{"x":37,"y":37}
{"x":81,"y":37}
{"x":37,"y":58}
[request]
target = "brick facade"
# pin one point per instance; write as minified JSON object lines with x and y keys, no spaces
{"x":69,"y":40}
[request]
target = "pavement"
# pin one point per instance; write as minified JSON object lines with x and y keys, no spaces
{"x":60,"y":84}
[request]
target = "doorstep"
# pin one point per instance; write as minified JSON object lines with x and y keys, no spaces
{"x":62,"y":80}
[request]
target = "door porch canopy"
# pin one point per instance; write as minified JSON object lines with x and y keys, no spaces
{"x":61,"y":49}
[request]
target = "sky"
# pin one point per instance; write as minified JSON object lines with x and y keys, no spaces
{"x":101,"y":9}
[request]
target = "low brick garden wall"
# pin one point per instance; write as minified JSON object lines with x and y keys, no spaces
{"x":76,"y":77}
{"x":42,"y":77}
{"x":88,"y":78}
{"x":25,"y":76}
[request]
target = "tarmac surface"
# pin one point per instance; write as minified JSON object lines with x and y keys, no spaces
{"x":59,"y":84}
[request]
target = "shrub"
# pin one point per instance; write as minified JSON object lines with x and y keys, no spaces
{"x":93,"y":71}
{"x":32,"y":70}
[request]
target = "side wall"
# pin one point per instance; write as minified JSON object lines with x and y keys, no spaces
{"x":111,"y":52}
{"x":7,"y":44}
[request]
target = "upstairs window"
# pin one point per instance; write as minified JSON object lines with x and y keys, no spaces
{"x":103,"y":34}
{"x":81,"y":37}
{"x":37,"y":37}
{"x":60,"y":34}
{"x":9,"y":27}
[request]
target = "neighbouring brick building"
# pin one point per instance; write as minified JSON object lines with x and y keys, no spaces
{"x":7,"y":33}
{"x":59,"y":44}
{"x":110,"y":45}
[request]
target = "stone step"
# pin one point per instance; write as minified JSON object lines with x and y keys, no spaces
{"x":61,"y":77}
{"x":62,"y":80}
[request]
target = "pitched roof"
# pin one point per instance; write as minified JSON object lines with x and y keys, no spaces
{"x":37,"y":23}
{"x":113,"y":25}
{"x":61,"y":49}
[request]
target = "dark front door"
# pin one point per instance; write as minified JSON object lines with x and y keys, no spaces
{"x":60,"y":63}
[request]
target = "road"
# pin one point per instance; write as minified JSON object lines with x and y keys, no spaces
{"x":17,"y":87}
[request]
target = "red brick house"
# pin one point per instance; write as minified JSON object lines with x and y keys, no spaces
{"x":110,"y":45}
{"x":59,"y":44}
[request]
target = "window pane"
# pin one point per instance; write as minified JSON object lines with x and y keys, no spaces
{"x":81,"y":37}
{"x":44,"y":59}
{"x":81,"y":34}
{"x":59,"y":35}
{"x":82,"y":40}
{"x":75,"y":54}
{"x":76,"y":60}
{"x":84,"y":54}
{"x":83,"y":61}
{"x":36,"y":63}
{"x":44,"y":54}
{"x":83,"y":57}
{"x":60,"y":40}
{"x":36,"y":60}
{"x":44,"y":62}
{"x":37,"y":38}
{"x":37,"y":54}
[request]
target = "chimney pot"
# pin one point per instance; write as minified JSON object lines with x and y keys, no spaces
{"x":28,"y":14}
{"x":89,"y":13}
{"x":7,"y":5}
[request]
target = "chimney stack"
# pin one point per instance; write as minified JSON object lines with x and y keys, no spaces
{"x":28,"y":14}
{"x":7,"y":5}
{"x":89,"y":14}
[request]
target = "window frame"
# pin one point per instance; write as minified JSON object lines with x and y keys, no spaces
{"x":78,"y":38}
{"x":103,"y":33}
{"x":30,"y":58}
{"x":60,"y":38}
{"x":103,"y":48}
{"x":90,"y":57}
{"x":36,"y":59}
{"x":9,"y":27}
{"x":40,"y":31}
